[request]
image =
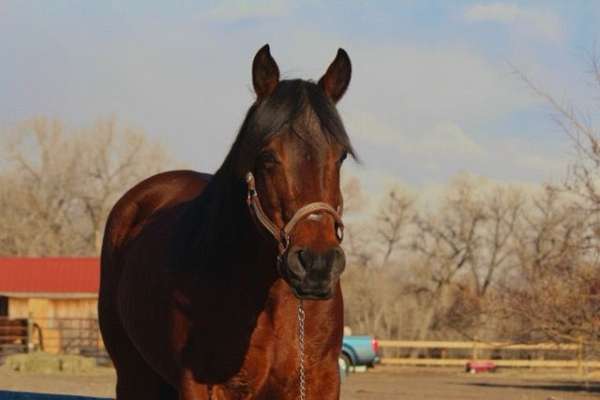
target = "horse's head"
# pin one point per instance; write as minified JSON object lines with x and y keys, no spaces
{"x":294,"y":182}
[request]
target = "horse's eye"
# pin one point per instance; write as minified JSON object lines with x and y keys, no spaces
{"x":342,"y":158}
{"x":267,"y":159}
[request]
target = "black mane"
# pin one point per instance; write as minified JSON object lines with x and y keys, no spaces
{"x":210,"y":222}
{"x":287,"y":104}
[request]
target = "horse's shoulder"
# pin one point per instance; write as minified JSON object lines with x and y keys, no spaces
{"x":158,"y":192}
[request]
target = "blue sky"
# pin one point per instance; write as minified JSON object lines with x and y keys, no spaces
{"x":432,"y":95}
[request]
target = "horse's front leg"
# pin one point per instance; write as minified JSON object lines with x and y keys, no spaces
{"x":324,"y":382}
{"x":190,"y":389}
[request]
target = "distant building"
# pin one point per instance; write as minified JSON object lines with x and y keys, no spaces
{"x":59,"y":295}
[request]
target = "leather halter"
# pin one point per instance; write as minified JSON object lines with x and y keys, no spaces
{"x":282,"y":235}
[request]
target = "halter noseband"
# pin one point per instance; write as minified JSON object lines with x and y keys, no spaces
{"x":282,"y":235}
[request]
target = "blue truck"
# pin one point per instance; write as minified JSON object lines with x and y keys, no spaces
{"x":358,"y":351}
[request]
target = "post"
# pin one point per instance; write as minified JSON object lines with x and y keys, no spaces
{"x":474,"y":353}
{"x":29,"y":333}
{"x":580,"y":356}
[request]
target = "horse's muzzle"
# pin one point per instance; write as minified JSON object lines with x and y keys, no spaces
{"x":313,"y":275}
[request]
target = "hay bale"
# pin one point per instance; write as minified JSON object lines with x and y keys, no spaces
{"x":33,"y":362}
{"x":45,"y":363}
{"x":76,"y":364}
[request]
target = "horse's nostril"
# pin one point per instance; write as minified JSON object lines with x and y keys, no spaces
{"x":305,"y":257}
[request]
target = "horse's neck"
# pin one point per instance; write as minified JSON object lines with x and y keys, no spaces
{"x":247,"y":258}
{"x":322,"y":321}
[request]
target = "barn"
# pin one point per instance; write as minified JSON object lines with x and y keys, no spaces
{"x":58,"y":296}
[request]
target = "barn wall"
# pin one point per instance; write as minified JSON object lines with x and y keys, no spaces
{"x":52,"y":308}
{"x":74,"y":308}
{"x":18,"y":308}
{"x":54,"y":315}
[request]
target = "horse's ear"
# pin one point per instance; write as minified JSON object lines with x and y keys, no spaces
{"x":265,"y":73}
{"x":337,"y":78}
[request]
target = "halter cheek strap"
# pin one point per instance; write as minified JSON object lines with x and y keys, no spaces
{"x":282,"y":235}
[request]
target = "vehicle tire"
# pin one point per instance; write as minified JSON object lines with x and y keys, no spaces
{"x":345,"y":364}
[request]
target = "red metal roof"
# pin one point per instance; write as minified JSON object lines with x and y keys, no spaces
{"x":49,"y":275}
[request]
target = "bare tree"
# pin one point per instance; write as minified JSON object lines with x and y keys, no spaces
{"x":470,"y":312}
{"x":446,"y":242}
{"x":554,"y":291}
{"x":115,"y":159}
{"x":355,"y":199}
{"x":42,"y":165}
{"x":449,"y":259}
{"x":558,"y":291}
{"x":584,"y":171}
{"x":502,"y":211}
{"x":391,"y":222}
{"x":374,"y":300}
{"x":356,"y":243}
{"x":61,"y":184}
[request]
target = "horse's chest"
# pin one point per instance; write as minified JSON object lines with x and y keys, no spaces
{"x":274,"y":360}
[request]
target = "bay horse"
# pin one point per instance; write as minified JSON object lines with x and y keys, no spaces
{"x":210,"y":284}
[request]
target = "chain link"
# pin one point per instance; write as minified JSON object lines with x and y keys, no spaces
{"x":302,"y":375}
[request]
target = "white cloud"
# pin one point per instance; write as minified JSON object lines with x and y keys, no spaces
{"x":449,"y":138}
{"x":430,"y":83}
{"x":444,"y":139}
{"x":528,"y":159}
{"x":534,"y":22}
{"x":368,"y":126}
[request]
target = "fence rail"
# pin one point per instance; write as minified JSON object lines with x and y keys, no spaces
{"x":476,"y":345}
{"x":570,"y":355}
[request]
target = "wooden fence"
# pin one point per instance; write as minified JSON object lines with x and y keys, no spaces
{"x":82,"y":336}
{"x":533,"y":355}
{"x":14,"y":335}
{"x":53,"y":335}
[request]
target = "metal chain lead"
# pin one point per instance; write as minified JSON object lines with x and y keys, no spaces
{"x":302,"y":376}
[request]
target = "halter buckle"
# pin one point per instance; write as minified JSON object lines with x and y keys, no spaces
{"x":339,"y":232}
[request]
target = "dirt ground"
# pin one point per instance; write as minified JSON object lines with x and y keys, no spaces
{"x":387,"y":383}
{"x":382,"y":383}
